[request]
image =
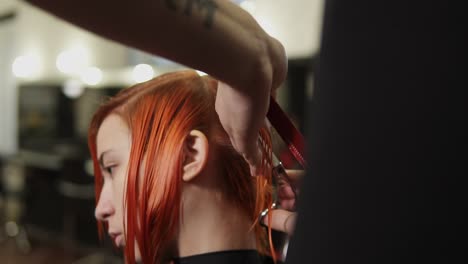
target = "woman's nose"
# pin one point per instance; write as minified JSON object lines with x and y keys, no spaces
{"x":104,"y":209}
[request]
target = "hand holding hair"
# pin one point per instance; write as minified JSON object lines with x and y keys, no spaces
{"x":242,"y":110}
{"x":284,"y":218}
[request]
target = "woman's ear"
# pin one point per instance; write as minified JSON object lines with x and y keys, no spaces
{"x":196,"y":149}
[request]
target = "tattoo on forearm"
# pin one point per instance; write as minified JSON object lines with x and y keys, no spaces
{"x":207,"y":6}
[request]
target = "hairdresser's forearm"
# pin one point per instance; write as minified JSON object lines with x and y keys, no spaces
{"x":214,"y":36}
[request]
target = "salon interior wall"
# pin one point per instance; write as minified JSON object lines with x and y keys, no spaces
{"x":45,"y":36}
{"x":34,"y":33}
{"x":296,"y":23}
{"x":8,"y":144}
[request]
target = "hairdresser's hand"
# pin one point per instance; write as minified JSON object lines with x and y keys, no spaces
{"x":284,"y":218}
{"x":242,"y":110}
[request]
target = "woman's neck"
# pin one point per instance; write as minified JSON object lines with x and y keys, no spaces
{"x":210,"y":223}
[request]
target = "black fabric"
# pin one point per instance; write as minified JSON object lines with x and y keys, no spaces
{"x":226,"y":257}
{"x":387,"y":137}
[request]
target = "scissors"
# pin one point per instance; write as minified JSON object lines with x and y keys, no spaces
{"x":295,"y":143}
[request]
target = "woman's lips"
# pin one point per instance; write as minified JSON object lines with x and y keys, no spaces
{"x":118,"y":240}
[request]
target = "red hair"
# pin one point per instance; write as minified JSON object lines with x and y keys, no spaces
{"x":160,"y":113}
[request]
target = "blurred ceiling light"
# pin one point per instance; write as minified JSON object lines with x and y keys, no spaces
{"x":26,"y":66}
{"x":11,"y":228}
{"x":248,"y":6}
{"x":73,"y":88}
{"x":72,"y":61}
{"x":142,"y":73}
{"x":200,"y":73}
{"x":91,"y":76}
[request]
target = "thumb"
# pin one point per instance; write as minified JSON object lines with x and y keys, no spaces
{"x":282,"y":220}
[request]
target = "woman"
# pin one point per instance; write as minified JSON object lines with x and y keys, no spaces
{"x":169,"y":184}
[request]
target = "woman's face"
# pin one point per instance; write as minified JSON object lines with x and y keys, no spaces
{"x":113,"y":151}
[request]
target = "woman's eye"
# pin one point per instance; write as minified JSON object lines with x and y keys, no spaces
{"x":109,"y":169}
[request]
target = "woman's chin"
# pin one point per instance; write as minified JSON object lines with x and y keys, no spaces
{"x":137,"y":254}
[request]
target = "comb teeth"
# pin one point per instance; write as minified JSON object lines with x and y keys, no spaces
{"x":266,"y":150}
{"x":287,"y":131}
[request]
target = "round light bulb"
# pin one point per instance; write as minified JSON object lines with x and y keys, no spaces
{"x":26,"y":66}
{"x":91,"y":76}
{"x":142,"y":73}
{"x":72,"y":61}
{"x":73,"y":88}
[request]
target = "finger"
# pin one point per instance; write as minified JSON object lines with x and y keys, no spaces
{"x":282,"y":220}
{"x":287,"y":197}
{"x":289,"y":204}
{"x":286,"y":192}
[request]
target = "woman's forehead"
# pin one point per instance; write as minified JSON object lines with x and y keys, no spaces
{"x":113,"y":133}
